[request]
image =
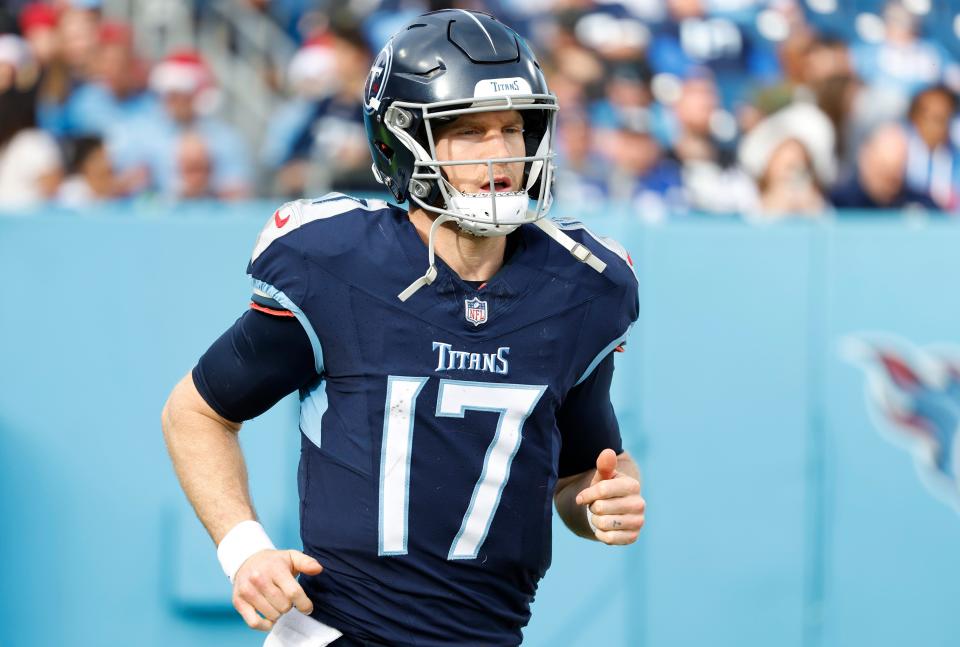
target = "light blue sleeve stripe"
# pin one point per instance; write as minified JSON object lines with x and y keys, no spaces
{"x":287,"y":303}
{"x":606,"y":351}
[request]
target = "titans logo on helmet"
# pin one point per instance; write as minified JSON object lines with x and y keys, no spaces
{"x":377,"y":79}
{"x":914,"y":395}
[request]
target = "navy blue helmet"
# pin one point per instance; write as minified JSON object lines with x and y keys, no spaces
{"x":442,"y":65}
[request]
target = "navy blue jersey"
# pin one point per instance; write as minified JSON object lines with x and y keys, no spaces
{"x":427,"y":471}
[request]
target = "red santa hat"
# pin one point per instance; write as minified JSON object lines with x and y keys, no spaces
{"x":37,"y":16}
{"x":185,"y":72}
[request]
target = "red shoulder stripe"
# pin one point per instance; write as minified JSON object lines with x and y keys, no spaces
{"x":271,"y":311}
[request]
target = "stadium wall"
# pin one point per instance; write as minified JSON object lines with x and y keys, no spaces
{"x":778,"y":512}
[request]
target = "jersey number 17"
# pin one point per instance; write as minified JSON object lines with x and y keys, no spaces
{"x":514,"y":403}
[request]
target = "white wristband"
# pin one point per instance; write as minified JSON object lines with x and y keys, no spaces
{"x":590,"y":519}
{"x":243,"y":540}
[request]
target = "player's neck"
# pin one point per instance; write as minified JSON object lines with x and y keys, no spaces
{"x":473,"y":258}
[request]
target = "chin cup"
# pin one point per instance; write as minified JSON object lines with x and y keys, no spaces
{"x":478,"y":208}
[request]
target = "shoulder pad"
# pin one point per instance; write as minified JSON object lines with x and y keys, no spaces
{"x":572,"y":226}
{"x":293,"y":215}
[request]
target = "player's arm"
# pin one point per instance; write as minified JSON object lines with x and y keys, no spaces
{"x":599,"y":482}
{"x":259,"y":360}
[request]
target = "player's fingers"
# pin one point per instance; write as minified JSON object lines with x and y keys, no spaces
{"x":606,"y":465}
{"x":617,"y":537}
{"x":618,"y":521}
{"x":633,"y":504}
{"x":295,"y":594}
{"x":620,"y":486}
{"x":250,"y":616}
{"x":250,"y":593}
{"x":277,"y":598}
{"x":304,"y":563}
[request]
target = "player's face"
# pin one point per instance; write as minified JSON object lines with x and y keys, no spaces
{"x":483,"y":135}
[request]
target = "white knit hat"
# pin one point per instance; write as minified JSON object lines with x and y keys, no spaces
{"x":14,"y":51}
{"x":803,"y":122}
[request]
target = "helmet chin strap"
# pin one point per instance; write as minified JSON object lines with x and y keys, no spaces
{"x":431,"y":274}
{"x":578,"y":251}
{"x":511,"y":206}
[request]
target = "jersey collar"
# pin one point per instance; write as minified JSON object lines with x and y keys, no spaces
{"x":512,"y":279}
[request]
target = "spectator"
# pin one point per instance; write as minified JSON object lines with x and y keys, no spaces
{"x":791,"y":156}
{"x":835,"y":96}
{"x":66,"y":57}
{"x":788,"y":185}
{"x":572,"y":70}
{"x":880,"y":179}
{"x":903,"y":62}
{"x":77,"y":29}
{"x":194,"y":168}
{"x":581,"y":166}
{"x":38,"y":25}
{"x":933,"y":165}
{"x":692,"y":39}
{"x":30,"y":166}
{"x":827,"y":58}
{"x":92,"y":179}
{"x":626,"y":91}
{"x":310,"y":76}
{"x":639,"y":173}
{"x":329,"y":149}
{"x":189,"y":94}
{"x":117,"y":92}
{"x":611,"y":31}
{"x":701,"y":139}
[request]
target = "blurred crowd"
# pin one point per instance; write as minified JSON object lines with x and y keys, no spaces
{"x":765,"y":108}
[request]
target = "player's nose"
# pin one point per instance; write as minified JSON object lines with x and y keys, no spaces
{"x":496,"y":145}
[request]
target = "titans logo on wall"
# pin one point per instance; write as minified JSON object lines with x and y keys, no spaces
{"x":914,"y":396}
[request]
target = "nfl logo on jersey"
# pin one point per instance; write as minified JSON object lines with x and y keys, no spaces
{"x":476,"y":311}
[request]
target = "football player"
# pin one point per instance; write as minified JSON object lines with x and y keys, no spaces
{"x":442,"y":417}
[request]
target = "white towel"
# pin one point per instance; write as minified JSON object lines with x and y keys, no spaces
{"x":295,"y":629}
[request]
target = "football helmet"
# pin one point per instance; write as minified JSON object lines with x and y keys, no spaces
{"x":440,"y":66}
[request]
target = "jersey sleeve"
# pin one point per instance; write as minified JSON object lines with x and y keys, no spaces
{"x":253,"y":365}
{"x":278,"y":272}
{"x":587,"y":421}
{"x":586,"y":418}
{"x":614,"y":314}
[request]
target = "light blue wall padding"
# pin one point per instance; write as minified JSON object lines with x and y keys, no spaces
{"x":778,"y":515}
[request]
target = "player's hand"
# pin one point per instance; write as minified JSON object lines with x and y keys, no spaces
{"x":266,"y":584}
{"x":615,"y":501}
